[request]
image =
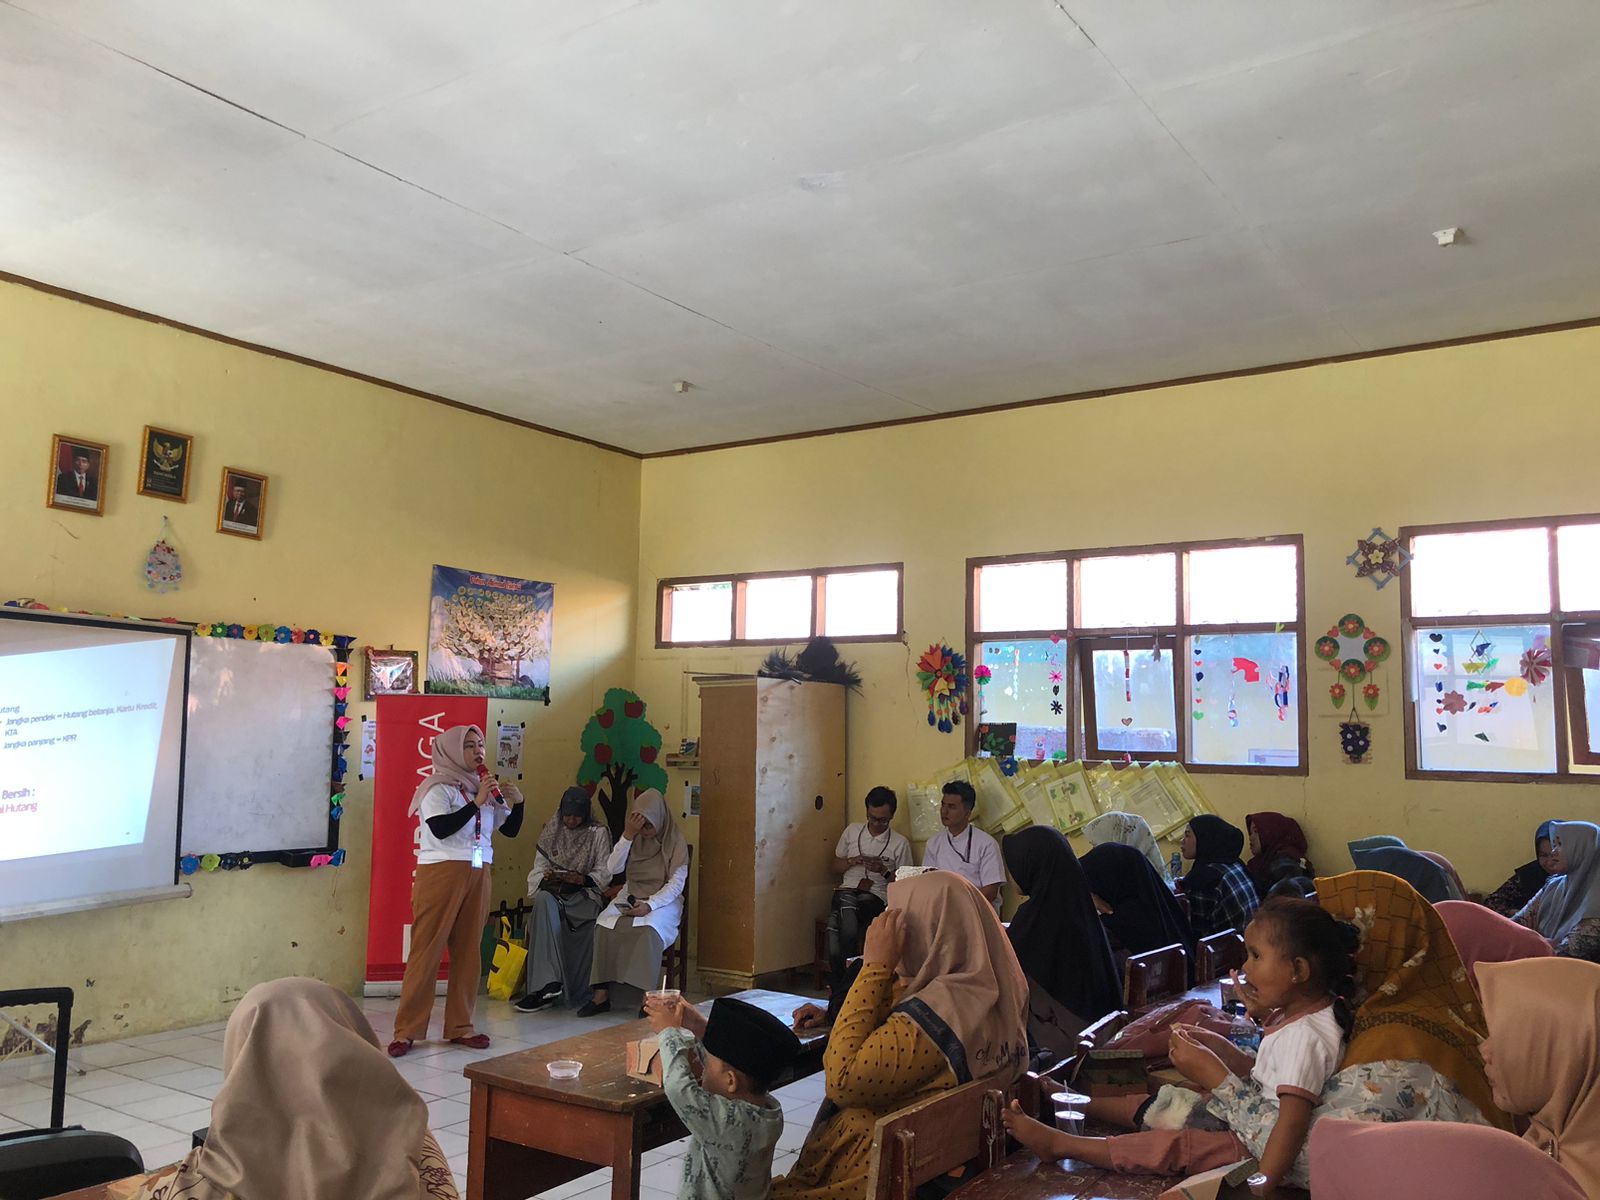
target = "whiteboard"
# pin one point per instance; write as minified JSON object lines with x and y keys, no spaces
{"x":259,"y":747}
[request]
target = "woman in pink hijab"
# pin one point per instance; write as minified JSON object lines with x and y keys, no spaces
{"x":1483,"y":935}
{"x":1363,"y":1160}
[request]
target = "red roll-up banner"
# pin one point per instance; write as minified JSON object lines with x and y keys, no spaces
{"x":407,"y":726}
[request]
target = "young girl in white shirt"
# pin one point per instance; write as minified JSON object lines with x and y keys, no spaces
{"x":1301,"y":976}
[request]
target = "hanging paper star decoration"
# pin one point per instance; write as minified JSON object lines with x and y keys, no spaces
{"x":1378,"y":557}
{"x":943,"y":675}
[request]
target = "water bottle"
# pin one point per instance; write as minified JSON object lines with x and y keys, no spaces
{"x":1242,"y":1031}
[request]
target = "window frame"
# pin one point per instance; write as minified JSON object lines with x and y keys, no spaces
{"x":1080,"y":642}
{"x":1569,"y":735}
{"x":818,"y":605}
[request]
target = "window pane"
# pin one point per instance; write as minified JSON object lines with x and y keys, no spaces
{"x":1591,"y":709}
{"x":1244,"y":692}
{"x":1030,"y":595}
{"x":1134,"y":709}
{"x":1243,"y":584}
{"x":1578,"y":555}
{"x":1121,"y":591}
{"x":861,"y":603}
{"x":1025,"y":694}
{"x":778,"y":608}
{"x":1500,"y":571}
{"x":1485,"y":701}
{"x":700,"y":612}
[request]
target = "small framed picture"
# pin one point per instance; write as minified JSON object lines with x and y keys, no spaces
{"x":242,"y":507}
{"x":164,"y":465}
{"x":391,"y":673}
{"x":77,"y":478}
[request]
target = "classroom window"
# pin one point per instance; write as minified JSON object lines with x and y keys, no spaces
{"x":1190,"y":652}
{"x":843,"y":603}
{"x":1501,"y":681}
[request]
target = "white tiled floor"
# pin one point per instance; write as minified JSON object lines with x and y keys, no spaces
{"x":156,"y":1090}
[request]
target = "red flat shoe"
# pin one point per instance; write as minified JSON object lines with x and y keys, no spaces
{"x":400,"y":1047}
{"x":478,"y":1041}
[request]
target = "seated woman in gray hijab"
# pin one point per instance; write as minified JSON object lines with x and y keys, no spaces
{"x":569,"y":873}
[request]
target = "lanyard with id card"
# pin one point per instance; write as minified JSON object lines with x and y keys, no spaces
{"x":477,"y":848}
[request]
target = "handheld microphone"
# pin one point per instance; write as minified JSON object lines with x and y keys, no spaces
{"x":494,"y":789}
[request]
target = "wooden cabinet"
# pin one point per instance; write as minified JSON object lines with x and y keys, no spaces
{"x":772,"y":807}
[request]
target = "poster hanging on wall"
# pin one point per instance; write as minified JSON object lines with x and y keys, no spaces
{"x":489,"y":635}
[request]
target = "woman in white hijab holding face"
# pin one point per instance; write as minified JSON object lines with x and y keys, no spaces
{"x":642,"y":919}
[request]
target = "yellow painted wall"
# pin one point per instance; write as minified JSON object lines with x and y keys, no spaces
{"x":1494,"y":430}
{"x":369,"y":488}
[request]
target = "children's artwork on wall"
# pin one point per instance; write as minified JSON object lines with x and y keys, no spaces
{"x":163,"y":568}
{"x":1483,"y":699}
{"x":164,"y":464}
{"x":1356,"y":739}
{"x":943,"y":675}
{"x":77,"y":475}
{"x":1379,"y":557}
{"x":489,"y":635}
{"x":242,"y":505}
{"x":390,"y":672}
{"x":997,"y":739}
{"x":620,"y":751}
{"x":1355,"y":652}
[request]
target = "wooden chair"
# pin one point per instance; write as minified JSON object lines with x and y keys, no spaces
{"x":1155,"y":975}
{"x":1218,"y":954}
{"x":1103,"y":1030}
{"x":931,"y":1138}
{"x":675,"y":959}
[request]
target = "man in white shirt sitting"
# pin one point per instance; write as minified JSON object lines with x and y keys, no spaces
{"x":963,"y":847}
{"x":868,"y":855}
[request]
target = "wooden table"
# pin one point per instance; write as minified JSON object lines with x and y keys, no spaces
{"x":530,"y":1132}
{"x":1024,"y":1177}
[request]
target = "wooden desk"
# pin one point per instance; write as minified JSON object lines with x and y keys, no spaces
{"x":530,"y":1132}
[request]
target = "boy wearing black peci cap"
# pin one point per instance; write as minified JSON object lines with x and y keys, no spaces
{"x":734,"y":1122}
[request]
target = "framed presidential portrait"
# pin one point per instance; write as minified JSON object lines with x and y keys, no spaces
{"x":242,"y":507}
{"x":164,"y":464}
{"x":77,"y":476}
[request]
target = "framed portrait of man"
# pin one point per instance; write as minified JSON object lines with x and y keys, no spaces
{"x":242,"y":507}
{"x":164,"y":464}
{"x":77,"y":479}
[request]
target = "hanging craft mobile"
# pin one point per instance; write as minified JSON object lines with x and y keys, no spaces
{"x":1378,"y":557}
{"x":1535,"y":664}
{"x":163,"y":569}
{"x":1353,"y":650}
{"x":943,"y":675}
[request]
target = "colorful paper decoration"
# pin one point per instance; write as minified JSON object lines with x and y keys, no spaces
{"x":1354,"y":650}
{"x":1356,"y":738}
{"x":1378,"y":557}
{"x":1008,"y":766}
{"x":1535,"y":665}
{"x":163,"y":568}
{"x":943,"y":675}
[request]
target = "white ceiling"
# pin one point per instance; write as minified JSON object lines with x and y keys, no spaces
{"x":823,"y":213}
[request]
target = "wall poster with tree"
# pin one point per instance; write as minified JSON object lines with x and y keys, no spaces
{"x":489,"y":635}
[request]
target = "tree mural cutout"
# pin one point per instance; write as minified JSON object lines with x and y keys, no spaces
{"x":620,"y":751}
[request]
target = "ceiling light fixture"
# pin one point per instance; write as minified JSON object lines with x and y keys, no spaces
{"x":680,"y":386}
{"x":1448,"y":237}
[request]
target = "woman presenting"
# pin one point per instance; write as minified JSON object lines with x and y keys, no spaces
{"x":461,"y":805}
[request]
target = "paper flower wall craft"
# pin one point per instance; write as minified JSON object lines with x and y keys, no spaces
{"x":1378,"y":557}
{"x":1355,"y":652}
{"x":942,"y":672}
{"x":1356,"y":739}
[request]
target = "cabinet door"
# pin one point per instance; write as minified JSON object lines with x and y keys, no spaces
{"x":727,"y":934}
{"x":799,"y":815}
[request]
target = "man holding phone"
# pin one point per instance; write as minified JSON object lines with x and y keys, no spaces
{"x":867,"y":856}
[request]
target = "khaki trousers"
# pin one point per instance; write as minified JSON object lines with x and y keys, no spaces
{"x":449,"y":904}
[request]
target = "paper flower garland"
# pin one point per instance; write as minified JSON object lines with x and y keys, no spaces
{"x":1378,"y":557}
{"x":942,"y":672}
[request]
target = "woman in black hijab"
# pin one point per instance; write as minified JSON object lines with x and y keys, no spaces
{"x":1072,"y":979}
{"x":1218,"y":888}
{"x":1139,"y":912}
